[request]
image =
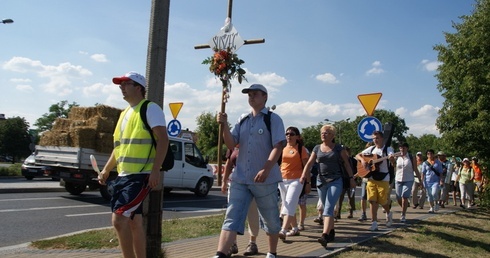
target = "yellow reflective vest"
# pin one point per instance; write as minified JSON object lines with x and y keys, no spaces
{"x":133,"y":148}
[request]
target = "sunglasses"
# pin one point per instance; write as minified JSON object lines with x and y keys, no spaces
{"x":290,"y":134}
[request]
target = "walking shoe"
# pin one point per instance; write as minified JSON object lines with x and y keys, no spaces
{"x":389,"y":219}
{"x":319,"y":220}
{"x":374,"y":226}
{"x":436,"y":208}
{"x":323,"y":240}
{"x":301,"y":227}
{"x":431,"y":210}
{"x":293,"y":232}
{"x":269,"y":255}
{"x":462,"y":206}
{"x":363,"y":217}
{"x":402,"y":219}
{"x":331,"y":235}
{"x":234,"y":248}
{"x":252,"y":249}
{"x":282,"y":235}
{"x":350,"y":216}
{"x":415,"y":206}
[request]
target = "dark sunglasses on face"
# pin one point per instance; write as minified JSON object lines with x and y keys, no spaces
{"x":290,"y":134}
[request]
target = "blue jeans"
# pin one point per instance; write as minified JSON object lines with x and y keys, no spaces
{"x":239,"y":200}
{"x":329,"y":194}
{"x":433,"y":191}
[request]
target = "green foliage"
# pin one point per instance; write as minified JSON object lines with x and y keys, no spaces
{"x":464,"y":82}
{"x":14,"y":138}
{"x":12,"y":170}
{"x":207,"y":135}
{"x":58,"y":110}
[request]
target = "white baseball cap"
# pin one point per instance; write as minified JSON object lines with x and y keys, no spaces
{"x":134,"y":76}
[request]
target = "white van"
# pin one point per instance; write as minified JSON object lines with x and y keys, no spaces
{"x":190,"y":170}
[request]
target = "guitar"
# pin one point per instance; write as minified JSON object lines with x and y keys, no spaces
{"x":372,"y":164}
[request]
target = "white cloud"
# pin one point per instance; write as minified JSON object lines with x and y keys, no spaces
{"x":101,"y":58}
{"x":327,"y":78}
{"x":25,"y":88}
{"x":20,"y":80}
{"x":425,"y":111}
{"x":430,"y":65}
{"x":376,"y":68}
{"x":59,"y":77}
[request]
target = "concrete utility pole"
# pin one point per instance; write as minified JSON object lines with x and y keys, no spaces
{"x":155,"y":74}
{"x":223,"y":93}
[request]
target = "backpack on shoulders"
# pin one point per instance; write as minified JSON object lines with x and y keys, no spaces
{"x":168,"y":162}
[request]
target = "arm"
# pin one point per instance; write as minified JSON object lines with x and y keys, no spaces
{"x":109,"y":166}
{"x":271,"y":161}
{"x":222,"y":119}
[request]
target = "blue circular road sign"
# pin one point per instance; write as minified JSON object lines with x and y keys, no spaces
{"x":367,"y":126}
{"x":174,"y":127}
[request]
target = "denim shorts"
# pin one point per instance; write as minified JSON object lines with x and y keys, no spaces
{"x":403,"y":189}
{"x":240,"y":196}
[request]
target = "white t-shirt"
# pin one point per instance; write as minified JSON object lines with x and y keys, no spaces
{"x":154,"y":116}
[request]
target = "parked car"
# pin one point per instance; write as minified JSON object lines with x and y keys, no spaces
{"x":30,"y":169}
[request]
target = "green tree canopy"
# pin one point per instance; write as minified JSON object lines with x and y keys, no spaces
{"x":58,"y":110}
{"x":207,"y":135}
{"x":464,"y":82}
{"x":14,"y":138}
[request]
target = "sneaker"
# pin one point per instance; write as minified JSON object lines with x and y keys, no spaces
{"x":462,"y":206}
{"x":282,"y":235}
{"x":350,"y":216}
{"x":389,"y":219}
{"x":436,"y":208}
{"x":323,"y":240}
{"x":269,"y":255}
{"x":402,"y":219}
{"x":293,"y":232}
{"x":363,"y":217}
{"x":431,"y":210}
{"x":301,"y":227}
{"x":251,"y":249}
{"x":234,"y":248}
{"x":374,"y":226}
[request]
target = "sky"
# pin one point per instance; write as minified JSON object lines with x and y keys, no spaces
{"x":318,"y":56}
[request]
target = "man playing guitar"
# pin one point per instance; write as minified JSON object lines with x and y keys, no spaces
{"x":378,"y":189}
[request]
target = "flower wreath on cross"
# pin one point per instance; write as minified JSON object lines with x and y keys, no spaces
{"x":225,"y":65}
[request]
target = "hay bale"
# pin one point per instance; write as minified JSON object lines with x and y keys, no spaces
{"x":102,"y":124}
{"x":55,"y":138}
{"x":78,"y":123}
{"x":82,"y":113}
{"x":83,"y":137}
{"x":61,"y":124}
{"x":104,"y":142}
{"x":108,"y":112}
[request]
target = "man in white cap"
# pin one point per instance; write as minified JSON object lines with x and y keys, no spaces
{"x":138,"y":163}
{"x":260,"y":134}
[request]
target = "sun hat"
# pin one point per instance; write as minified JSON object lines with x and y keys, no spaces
{"x":134,"y":76}
{"x":255,"y":87}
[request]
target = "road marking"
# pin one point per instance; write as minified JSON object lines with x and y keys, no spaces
{"x":31,"y":199}
{"x":50,"y":208}
{"x":193,"y":209}
{"x":88,"y":214}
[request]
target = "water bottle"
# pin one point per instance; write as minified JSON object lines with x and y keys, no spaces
{"x":353,"y":192}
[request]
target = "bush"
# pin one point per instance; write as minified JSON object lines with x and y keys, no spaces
{"x":12,"y":170}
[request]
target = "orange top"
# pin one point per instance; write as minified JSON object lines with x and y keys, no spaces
{"x":292,"y":166}
{"x":478,"y":174}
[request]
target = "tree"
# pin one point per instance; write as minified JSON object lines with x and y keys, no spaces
{"x":207,"y":135}
{"x":58,"y":110}
{"x":15,"y":138}
{"x":311,"y":136}
{"x":464,"y":82}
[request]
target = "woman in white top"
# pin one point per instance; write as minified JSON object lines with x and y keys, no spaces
{"x":406,"y":165}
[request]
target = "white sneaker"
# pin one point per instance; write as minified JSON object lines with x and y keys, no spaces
{"x":389,"y":219}
{"x":436,"y":208}
{"x":402,"y":219}
{"x":269,"y":255}
{"x":374,"y":226}
{"x":431,"y":210}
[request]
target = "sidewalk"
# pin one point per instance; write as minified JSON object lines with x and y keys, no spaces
{"x":349,"y":232}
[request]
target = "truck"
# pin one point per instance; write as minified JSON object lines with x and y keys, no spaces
{"x":73,"y":167}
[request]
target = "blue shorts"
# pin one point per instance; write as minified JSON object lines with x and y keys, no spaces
{"x":240,"y":196}
{"x":403,"y":189}
{"x":128,"y":193}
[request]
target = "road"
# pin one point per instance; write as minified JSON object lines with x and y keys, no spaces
{"x":32,"y":216}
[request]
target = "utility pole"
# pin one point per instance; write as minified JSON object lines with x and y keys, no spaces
{"x":155,"y":74}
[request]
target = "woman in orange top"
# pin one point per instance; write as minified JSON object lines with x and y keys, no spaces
{"x":294,"y":158}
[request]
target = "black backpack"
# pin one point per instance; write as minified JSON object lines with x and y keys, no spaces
{"x":168,"y":163}
{"x":267,"y":121}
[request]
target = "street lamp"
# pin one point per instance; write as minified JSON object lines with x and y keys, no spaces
{"x":6,"y":21}
{"x":340,"y":125}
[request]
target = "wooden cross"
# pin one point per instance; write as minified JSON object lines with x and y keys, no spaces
{"x":223,"y":96}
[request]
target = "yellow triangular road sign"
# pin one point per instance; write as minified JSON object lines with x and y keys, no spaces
{"x":370,"y":101}
{"x":175,"y":108}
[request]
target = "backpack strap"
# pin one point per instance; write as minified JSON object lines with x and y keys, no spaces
{"x":267,"y":122}
{"x":143,"y":109}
